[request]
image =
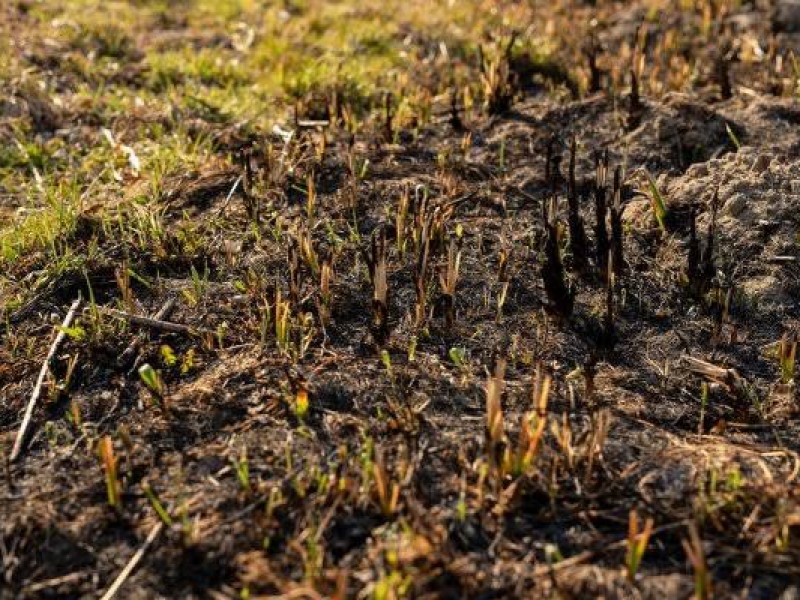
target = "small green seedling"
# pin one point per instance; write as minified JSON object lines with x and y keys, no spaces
{"x":75,"y":333}
{"x":386,"y":359}
{"x":301,"y":403}
{"x":152,"y":380}
{"x":637,"y":544}
{"x":458,"y":356}
{"x":168,"y":356}
{"x":156,"y":504}
{"x":733,"y":137}
{"x":657,"y":202}
{"x":461,"y":506}
{"x":242,"y":468}
{"x":412,"y":349}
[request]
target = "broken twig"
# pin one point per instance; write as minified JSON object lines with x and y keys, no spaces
{"x":162,"y":314}
{"x":37,"y":389}
{"x":153,"y":323}
{"x":729,"y":378}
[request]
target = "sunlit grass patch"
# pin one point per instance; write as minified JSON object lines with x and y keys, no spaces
{"x":42,"y":228}
{"x":207,"y":67}
{"x":218,"y":63}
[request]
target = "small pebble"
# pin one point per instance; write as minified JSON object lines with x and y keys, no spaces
{"x":698,"y":170}
{"x":790,"y":593}
{"x":736,"y":205}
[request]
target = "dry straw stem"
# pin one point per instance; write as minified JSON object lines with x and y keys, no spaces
{"x":421,"y":269}
{"x":530,"y":436}
{"x":637,"y":543}
{"x":494,"y":408}
{"x":400,"y":218}
{"x":561,"y":298}
{"x":618,"y":258}
{"x":541,"y":391}
{"x":37,"y":389}
{"x":730,"y":378}
{"x":696,"y":555}
{"x":577,"y":232}
{"x":388,"y":491}
{"x":293,"y":261}
{"x":109,"y":460}
{"x":787,"y":356}
{"x":601,"y":210}
{"x":693,"y":255}
{"x":448,"y":281}
{"x":125,"y":573}
{"x":376,"y":262}
{"x":325,"y":295}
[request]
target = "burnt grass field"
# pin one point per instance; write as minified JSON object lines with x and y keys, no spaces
{"x":391,"y":299}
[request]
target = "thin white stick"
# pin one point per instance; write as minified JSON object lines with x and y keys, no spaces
{"x":123,"y":575}
{"x":230,"y":195}
{"x":37,"y":389}
{"x":233,"y":189}
{"x":56,"y":581}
